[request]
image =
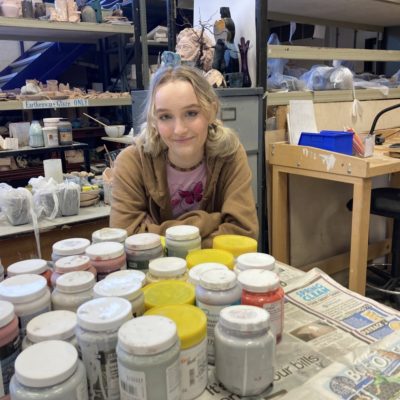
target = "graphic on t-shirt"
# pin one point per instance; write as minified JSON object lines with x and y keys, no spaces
{"x":186,"y":198}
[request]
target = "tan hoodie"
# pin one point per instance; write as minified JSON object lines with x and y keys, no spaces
{"x":141,"y":200}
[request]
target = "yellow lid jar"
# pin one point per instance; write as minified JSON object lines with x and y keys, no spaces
{"x":191,"y":323}
{"x":168,"y":292}
{"x":164,"y":268}
{"x":235,"y":244}
{"x":202,"y":256}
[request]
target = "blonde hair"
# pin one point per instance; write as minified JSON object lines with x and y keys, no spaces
{"x":221,"y":140}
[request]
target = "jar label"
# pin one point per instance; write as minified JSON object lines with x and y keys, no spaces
{"x":102,"y":372}
{"x":132,"y":384}
{"x":275,"y":310}
{"x":141,"y":265}
{"x":179,"y":252}
{"x":8,"y":355}
{"x":173,"y":373}
{"x":65,"y":136}
{"x":194,"y":370}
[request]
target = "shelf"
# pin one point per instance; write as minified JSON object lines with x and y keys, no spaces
{"x":42,"y":150}
{"x":44,"y":104}
{"x":329,"y":96}
{"x":126,"y":139}
{"x":43,"y":31}
{"x":324,"y":53}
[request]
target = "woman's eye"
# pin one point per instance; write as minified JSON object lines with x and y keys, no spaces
{"x":192,"y":113}
{"x":164,"y":117}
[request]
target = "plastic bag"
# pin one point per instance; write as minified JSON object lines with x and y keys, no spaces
{"x":69,"y":198}
{"x":284,"y":82}
{"x":45,"y":197}
{"x":16,"y":205}
{"x":322,"y":77}
{"x":275,"y":65}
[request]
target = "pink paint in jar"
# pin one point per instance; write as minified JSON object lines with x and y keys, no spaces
{"x":71,"y":264}
{"x":10,"y":345}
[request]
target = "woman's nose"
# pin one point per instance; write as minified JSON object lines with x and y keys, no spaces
{"x":180,"y":126}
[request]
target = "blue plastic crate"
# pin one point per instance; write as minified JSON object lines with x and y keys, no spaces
{"x":338,"y":141}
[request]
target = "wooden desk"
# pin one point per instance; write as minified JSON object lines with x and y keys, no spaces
{"x":288,"y":159}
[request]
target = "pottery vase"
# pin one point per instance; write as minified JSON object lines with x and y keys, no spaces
{"x":244,"y":48}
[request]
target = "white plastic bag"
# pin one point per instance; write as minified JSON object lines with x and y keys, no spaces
{"x":45,"y":197}
{"x":16,"y":204}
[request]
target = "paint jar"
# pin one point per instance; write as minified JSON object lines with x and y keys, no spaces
{"x":196,"y":271}
{"x":50,"y":135}
{"x":73,"y":289}
{"x":53,"y":325}
{"x":106,"y":257}
{"x":235,"y":244}
{"x":10,"y":344}
{"x":203,"y":256}
{"x":244,"y":350}
{"x":254,"y":261}
{"x":35,"y":134}
{"x":148,"y":359}
{"x":191,"y":323}
{"x":141,"y":248}
{"x":65,"y":133}
{"x":29,"y":294}
{"x":71,"y":264}
{"x":124,"y":287}
{"x":69,"y":247}
{"x":168,"y":292}
{"x":263,"y":289}
{"x":133,"y":274}
{"x":98,"y":324}
{"x":182,"y":239}
{"x":167,"y":268}
{"x":49,"y":370}
{"x":35,"y":266}
{"x":216,"y":290}
{"x":109,"y":235}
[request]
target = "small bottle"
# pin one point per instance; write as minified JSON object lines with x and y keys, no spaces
{"x":65,"y":133}
{"x":167,"y":268}
{"x":148,"y":359}
{"x":181,"y":239}
{"x":217,"y":289}
{"x":49,"y":370}
{"x":244,"y":350}
{"x":36,"y":134}
{"x":262,"y":288}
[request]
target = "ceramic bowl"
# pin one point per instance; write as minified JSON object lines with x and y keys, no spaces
{"x":115,"y":131}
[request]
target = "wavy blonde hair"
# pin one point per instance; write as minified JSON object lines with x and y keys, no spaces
{"x":221,"y":140}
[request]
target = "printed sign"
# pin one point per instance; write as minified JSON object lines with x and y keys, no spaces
{"x":68,"y":103}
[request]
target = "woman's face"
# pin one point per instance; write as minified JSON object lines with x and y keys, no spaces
{"x":181,"y":123}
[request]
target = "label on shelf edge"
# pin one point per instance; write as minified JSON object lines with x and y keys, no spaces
{"x":67,"y":103}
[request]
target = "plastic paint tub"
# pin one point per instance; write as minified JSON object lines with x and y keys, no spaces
{"x":71,"y":264}
{"x":35,"y":266}
{"x":254,"y":261}
{"x":141,"y":248}
{"x":203,"y":256}
{"x":109,"y":235}
{"x":134,"y":275}
{"x":182,"y":239}
{"x":191,"y":323}
{"x":196,"y":271}
{"x":235,"y":244}
{"x":167,"y":268}
{"x":168,"y":292}
{"x":70,"y":247}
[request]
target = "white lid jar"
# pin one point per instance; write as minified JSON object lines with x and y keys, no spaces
{"x":35,"y":266}
{"x":124,"y":287}
{"x":254,"y":261}
{"x":98,"y":324}
{"x":109,"y":235}
{"x":68,"y":264}
{"x":49,"y":370}
{"x":148,"y":354}
{"x":53,"y":325}
{"x":196,"y":271}
{"x":167,"y":268}
{"x":141,"y":248}
{"x":29,"y":294}
{"x":218,"y":288}
{"x":181,"y":239}
{"x":244,"y":341}
{"x":70,"y":247}
{"x":133,"y":274}
{"x":72,"y":290}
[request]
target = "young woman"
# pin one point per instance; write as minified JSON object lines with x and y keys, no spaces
{"x":185,"y":166}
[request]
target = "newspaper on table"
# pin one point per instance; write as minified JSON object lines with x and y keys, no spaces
{"x":324,"y":321}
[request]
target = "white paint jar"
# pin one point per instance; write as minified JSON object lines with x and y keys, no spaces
{"x":72,"y":290}
{"x":69,"y":247}
{"x":148,"y":359}
{"x":191,"y":323}
{"x":141,"y":248}
{"x":109,"y":235}
{"x":216,"y":290}
{"x":167,"y":268}
{"x":181,"y":239}
{"x":53,"y":325}
{"x":133,"y":274}
{"x":29,"y":294}
{"x":244,"y":350}
{"x":196,"y":271}
{"x":254,"y":261}
{"x":98,"y":324}
{"x":124,"y":287}
{"x":35,"y":266}
{"x":49,"y":370}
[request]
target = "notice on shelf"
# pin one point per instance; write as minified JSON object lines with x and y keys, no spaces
{"x":67,"y":103}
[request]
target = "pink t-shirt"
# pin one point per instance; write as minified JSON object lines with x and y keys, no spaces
{"x":186,"y":188}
